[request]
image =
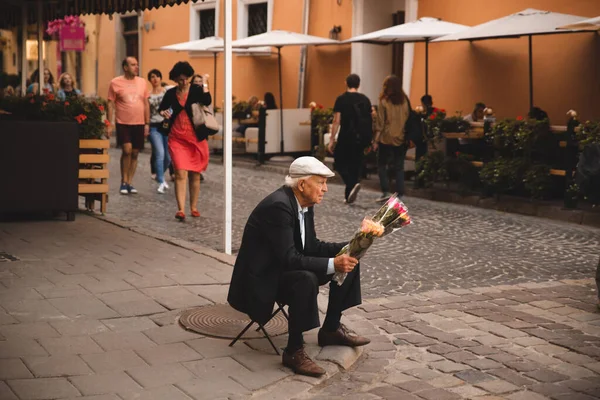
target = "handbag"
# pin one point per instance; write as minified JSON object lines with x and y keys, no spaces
{"x":165,"y":127}
{"x":205,"y":123}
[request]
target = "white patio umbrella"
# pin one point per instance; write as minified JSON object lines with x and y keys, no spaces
{"x":528,"y":23}
{"x":592,"y":24}
{"x":281,"y":39}
{"x":422,"y":30}
{"x":212,"y":44}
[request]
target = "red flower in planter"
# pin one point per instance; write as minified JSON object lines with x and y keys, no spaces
{"x":50,"y":97}
{"x":106,"y":122}
{"x":101,"y":108}
{"x":432,"y":117}
{"x":519,"y":118}
{"x":80,"y":118}
{"x":67,"y":103}
{"x":457,"y":153}
{"x":443,"y":110}
{"x":45,"y":91}
{"x":32,"y":101}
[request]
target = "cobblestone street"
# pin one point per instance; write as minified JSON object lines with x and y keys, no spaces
{"x":449,"y":246}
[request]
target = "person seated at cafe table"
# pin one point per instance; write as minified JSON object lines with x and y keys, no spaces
{"x":269,"y":101}
{"x":281,"y":259}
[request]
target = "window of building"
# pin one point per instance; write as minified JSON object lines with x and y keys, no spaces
{"x":254,"y":17}
{"x":204,"y":19}
{"x":257,"y":19}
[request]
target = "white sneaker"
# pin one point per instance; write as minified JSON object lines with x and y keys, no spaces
{"x":166,"y":185}
{"x":161,"y":188}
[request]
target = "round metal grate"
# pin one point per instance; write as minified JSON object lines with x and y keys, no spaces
{"x":222,"y":321}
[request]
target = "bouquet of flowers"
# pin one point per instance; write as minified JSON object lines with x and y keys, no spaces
{"x":392,"y":216}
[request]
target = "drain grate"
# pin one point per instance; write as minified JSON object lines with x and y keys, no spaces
{"x":222,"y":321}
{"x":5,"y":257}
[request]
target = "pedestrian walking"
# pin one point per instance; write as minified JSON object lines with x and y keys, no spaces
{"x":392,"y":114}
{"x":352,"y":116}
{"x":189,"y":155}
{"x":67,"y":89}
{"x":48,"y":85}
{"x":160,"y":147}
{"x":128,"y":101}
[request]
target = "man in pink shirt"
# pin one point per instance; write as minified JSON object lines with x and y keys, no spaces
{"x":128,"y":99}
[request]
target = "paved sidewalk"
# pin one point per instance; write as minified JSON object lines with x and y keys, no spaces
{"x":89,"y":311}
{"x":531,"y":341}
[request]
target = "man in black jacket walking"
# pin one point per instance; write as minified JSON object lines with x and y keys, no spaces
{"x":281,"y":259}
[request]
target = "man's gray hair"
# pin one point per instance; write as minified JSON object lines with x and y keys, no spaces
{"x":293,"y":182}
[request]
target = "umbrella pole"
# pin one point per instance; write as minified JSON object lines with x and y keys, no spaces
{"x":215,"y":105}
{"x":280,"y":98}
{"x":530,"y":74}
{"x":426,"y":66}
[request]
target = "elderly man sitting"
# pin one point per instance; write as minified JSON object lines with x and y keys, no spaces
{"x":281,"y":259}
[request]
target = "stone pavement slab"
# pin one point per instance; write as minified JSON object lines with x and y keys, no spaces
{"x":92,"y":314}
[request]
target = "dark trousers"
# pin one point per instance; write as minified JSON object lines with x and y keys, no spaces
{"x":420,"y":149}
{"x":299,"y":290}
{"x":396,"y":155}
{"x":350,"y":175}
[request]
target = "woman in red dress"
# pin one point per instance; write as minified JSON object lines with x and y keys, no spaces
{"x":189,"y":154}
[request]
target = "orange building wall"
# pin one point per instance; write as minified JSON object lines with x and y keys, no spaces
{"x":106,"y":54}
{"x":566,"y":68}
{"x":327,"y":67}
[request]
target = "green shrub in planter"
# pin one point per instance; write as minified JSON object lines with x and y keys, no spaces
{"x":432,"y":168}
{"x":88,"y":113}
{"x":572,"y":196}
{"x":502,"y":175}
{"x":461,"y":170}
{"x":538,"y":181}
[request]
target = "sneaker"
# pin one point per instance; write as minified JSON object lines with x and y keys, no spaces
{"x":383,"y":198}
{"x":124,"y":189}
{"x":161,"y":188}
{"x":166,"y":184}
{"x":353,"y":193}
{"x":131,"y":189}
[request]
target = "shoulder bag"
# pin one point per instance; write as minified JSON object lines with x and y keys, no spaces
{"x":205,"y":123}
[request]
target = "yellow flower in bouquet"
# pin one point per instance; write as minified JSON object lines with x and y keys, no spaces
{"x":392,"y":216}
{"x":370,"y":227}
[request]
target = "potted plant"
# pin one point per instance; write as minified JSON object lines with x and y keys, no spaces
{"x":572,"y":196}
{"x":61,"y":146}
{"x":320,"y":118}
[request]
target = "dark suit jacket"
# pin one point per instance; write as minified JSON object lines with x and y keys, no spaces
{"x":272,"y":244}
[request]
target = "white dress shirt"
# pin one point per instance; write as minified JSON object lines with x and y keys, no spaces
{"x":301,"y":212}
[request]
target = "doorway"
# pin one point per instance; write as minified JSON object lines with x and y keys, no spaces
{"x":374,"y":62}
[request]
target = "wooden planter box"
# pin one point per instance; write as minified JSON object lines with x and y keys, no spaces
{"x":39,"y":164}
{"x":93,"y":172}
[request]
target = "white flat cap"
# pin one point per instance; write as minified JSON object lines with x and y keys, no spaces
{"x":307,"y":165}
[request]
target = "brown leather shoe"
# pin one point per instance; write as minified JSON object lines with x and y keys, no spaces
{"x":341,"y":337}
{"x":301,"y":364}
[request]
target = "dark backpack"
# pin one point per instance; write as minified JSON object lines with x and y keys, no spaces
{"x":413,"y":129}
{"x":362,"y":125}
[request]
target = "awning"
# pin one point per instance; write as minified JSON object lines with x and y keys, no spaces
{"x":10,"y":10}
{"x":592,"y":24}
